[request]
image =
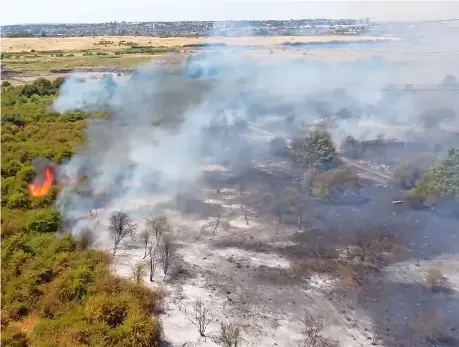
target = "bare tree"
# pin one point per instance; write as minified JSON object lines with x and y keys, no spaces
{"x":312,"y":330}
{"x":200,"y":317}
{"x":230,"y":335}
{"x":167,"y":250}
{"x":212,"y":225}
{"x":299,"y":211}
{"x":245,"y":210}
{"x":363,"y":243}
{"x":376,"y":334}
{"x":278,"y":212}
{"x":121,"y":225}
{"x":152,"y":257}
{"x":160,"y":225}
{"x":85,"y":239}
{"x":145,"y":237}
{"x":138,"y":271}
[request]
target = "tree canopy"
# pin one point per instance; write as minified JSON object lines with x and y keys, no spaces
{"x":315,"y":151}
{"x":442,"y":180}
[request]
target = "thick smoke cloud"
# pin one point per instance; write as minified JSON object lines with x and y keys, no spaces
{"x":163,"y":125}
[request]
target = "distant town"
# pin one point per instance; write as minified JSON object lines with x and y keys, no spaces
{"x":188,"y":28}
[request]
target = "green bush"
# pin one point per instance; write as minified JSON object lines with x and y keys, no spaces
{"x":74,"y":284}
{"x":18,"y":200}
{"x":109,"y":309}
{"x":11,"y":168}
{"x":13,"y":118}
{"x":45,"y":221}
{"x":13,"y":337}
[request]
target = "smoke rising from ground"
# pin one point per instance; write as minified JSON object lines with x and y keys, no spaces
{"x":163,"y":124}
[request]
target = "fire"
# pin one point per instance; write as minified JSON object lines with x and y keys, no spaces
{"x":40,"y":187}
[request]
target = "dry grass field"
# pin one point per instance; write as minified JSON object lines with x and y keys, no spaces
{"x":24,"y":57}
{"x":86,"y":43}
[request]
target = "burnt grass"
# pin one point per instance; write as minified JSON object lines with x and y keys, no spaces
{"x":396,"y":308}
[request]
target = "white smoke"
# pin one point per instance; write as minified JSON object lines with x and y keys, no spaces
{"x":156,"y":135}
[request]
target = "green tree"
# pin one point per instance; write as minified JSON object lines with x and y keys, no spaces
{"x":316,"y":151}
{"x":48,"y":220}
{"x":442,"y":180}
{"x":43,"y":85}
{"x":28,"y":90}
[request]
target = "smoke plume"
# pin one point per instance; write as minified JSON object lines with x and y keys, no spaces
{"x":162,"y":125}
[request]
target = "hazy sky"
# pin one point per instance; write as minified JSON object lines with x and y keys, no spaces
{"x":79,"y":11}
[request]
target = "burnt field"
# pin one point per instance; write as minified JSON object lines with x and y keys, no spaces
{"x":281,"y":203}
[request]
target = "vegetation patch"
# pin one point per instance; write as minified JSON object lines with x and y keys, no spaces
{"x":56,"y":291}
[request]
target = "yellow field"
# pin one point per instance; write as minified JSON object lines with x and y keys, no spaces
{"x":68,"y":44}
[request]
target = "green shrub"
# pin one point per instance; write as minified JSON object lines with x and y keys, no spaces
{"x":11,"y":169}
{"x":13,"y":118}
{"x":47,"y":221}
{"x":18,"y":200}
{"x":110,"y":309}
{"x":5,"y":84}
{"x":13,"y":337}
{"x":74,"y":284}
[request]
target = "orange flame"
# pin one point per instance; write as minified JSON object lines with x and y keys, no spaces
{"x":39,"y":187}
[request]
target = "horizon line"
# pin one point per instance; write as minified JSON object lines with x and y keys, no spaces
{"x":236,"y":20}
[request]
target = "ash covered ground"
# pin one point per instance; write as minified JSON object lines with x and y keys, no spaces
{"x":212,"y":155}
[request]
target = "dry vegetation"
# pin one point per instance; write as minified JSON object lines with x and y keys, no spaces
{"x":87,"y":43}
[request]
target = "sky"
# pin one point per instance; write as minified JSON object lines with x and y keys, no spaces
{"x":90,"y":11}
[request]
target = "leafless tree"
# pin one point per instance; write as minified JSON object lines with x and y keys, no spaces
{"x":167,"y":250}
{"x":145,"y":237}
{"x":245,"y":211}
{"x":152,"y":259}
{"x":230,"y":335}
{"x":299,"y":211}
{"x":212,"y":225}
{"x":328,"y":342}
{"x":312,"y":330}
{"x":348,"y":253}
{"x":376,"y":334}
{"x":200,"y":317}
{"x":160,"y":225}
{"x":278,"y":212}
{"x":363,"y":243}
{"x":121,"y":225}
{"x":85,"y":239}
{"x":138,"y":271}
